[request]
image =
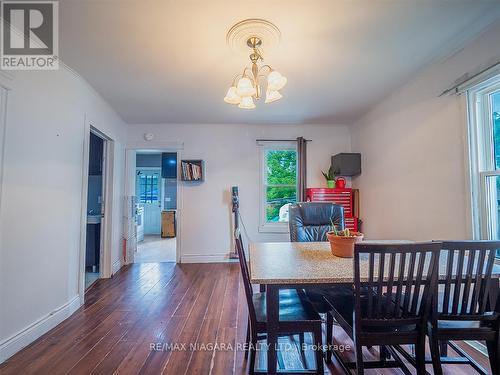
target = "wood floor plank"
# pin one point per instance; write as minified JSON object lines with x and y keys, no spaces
{"x":179,"y":360}
{"x":99,"y":351}
{"x":80,"y":348}
{"x":137,"y":336}
{"x":199,"y":304}
{"x":201,"y":363}
{"x":147,"y":331}
{"x":113,"y":359}
{"x":223,"y":360}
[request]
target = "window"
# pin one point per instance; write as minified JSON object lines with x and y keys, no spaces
{"x":484,"y":145}
{"x":278,"y":185}
{"x":148,"y":185}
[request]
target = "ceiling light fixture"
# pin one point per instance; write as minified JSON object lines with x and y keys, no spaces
{"x":247,"y":87}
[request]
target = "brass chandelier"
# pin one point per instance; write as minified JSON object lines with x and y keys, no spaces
{"x":247,"y":86}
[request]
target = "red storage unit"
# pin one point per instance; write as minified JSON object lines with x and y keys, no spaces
{"x":351,"y":223}
{"x":343,"y":197}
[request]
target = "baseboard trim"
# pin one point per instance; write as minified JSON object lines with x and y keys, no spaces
{"x":116,"y":267}
{"x":26,"y":336}
{"x":203,"y":258}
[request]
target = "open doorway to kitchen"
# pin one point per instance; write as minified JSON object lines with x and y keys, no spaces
{"x":156,"y":194}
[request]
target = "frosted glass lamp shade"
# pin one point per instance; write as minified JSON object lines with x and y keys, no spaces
{"x":272,"y":96}
{"x":247,"y":103}
{"x":275,"y":81}
{"x":232,"y":97}
{"x":245,"y":87}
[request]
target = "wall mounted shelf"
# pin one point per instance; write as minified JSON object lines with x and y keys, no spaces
{"x":192,"y":170}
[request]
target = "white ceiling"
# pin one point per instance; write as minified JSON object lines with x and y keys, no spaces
{"x":166,"y":61}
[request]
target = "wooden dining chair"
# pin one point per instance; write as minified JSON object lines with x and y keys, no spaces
{"x":466,"y":306}
{"x":296,"y":316}
{"x":391,"y":302}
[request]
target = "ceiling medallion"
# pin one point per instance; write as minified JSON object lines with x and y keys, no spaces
{"x":247,"y":86}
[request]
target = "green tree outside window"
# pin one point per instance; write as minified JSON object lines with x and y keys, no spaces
{"x":281,"y":181}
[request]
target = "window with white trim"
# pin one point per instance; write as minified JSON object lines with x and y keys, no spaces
{"x":484,"y":146}
{"x":278,"y":184}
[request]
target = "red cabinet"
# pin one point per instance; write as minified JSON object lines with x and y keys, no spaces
{"x":343,"y":197}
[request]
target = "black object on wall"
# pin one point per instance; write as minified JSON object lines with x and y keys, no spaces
{"x":169,"y":165}
{"x":346,"y":164}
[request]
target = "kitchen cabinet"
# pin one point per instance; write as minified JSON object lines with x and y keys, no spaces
{"x":168,"y":224}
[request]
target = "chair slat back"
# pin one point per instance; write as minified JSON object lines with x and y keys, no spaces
{"x":396,"y":287}
{"x":466,"y":287}
{"x":245,"y":274}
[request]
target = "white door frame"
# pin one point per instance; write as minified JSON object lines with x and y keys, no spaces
{"x":105,"y":266}
{"x":130,"y":181}
{"x":4,"y":95}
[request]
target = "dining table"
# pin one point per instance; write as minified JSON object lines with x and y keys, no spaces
{"x":303,"y":265}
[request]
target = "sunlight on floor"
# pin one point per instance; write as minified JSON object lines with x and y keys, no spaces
{"x":155,"y":249}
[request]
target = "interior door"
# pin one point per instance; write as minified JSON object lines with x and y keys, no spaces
{"x":148,"y":187}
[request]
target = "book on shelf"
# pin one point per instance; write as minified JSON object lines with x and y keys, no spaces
{"x":191,"y":171}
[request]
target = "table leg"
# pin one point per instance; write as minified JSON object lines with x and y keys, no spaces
{"x":272,"y":310}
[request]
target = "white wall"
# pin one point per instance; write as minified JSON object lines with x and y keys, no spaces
{"x":232,"y":158}
{"x":42,"y":200}
{"x":414,"y":159}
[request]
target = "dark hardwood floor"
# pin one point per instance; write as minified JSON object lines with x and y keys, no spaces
{"x":161,"y":303}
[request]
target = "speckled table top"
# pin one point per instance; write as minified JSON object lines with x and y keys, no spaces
{"x":297,"y":262}
{"x":301,"y":263}
{"x":312,"y":263}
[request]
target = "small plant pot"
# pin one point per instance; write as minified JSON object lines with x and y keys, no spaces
{"x":330,"y":184}
{"x":342,"y":246}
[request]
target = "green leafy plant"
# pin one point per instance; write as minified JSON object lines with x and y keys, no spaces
{"x":330,"y":175}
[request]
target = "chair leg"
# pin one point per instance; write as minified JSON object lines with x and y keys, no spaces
{"x":247,"y":340}
{"x":301,"y":341}
{"x":360,"y":369}
{"x":318,"y":341}
{"x":384,"y":353}
{"x":252,"y":349}
{"x":329,"y":337}
{"x":494,"y":354}
{"x":420,"y":354}
{"x":443,"y":348}
{"x":302,"y":348}
{"x":435,"y":356}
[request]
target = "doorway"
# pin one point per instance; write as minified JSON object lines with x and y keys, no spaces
{"x":98,"y":173}
{"x":156,"y":192}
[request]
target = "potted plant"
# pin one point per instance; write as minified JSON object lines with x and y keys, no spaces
{"x":330,"y":178}
{"x":342,"y":241}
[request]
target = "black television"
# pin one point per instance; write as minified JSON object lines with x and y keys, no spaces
{"x":169,"y":165}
